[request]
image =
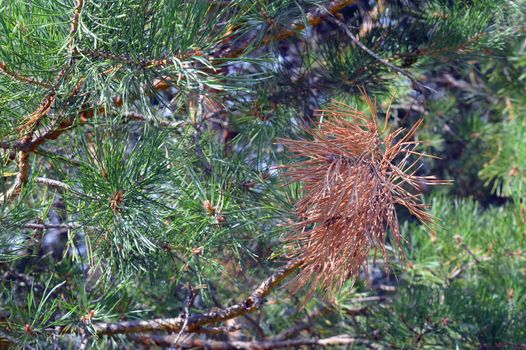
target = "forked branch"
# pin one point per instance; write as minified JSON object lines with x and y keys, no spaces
{"x":248,"y":305}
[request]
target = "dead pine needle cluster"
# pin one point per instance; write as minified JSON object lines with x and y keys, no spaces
{"x":354,"y":174}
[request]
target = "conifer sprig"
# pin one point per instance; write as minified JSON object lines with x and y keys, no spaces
{"x":354,"y":174}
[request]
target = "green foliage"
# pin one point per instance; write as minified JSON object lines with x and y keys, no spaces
{"x":507,"y":167}
{"x":119,"y":184}
{"x":156,"y":166}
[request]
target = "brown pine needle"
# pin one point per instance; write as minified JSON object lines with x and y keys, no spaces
{"x":352,"y":184}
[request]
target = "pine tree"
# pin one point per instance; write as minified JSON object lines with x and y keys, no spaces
{"x":255,"y":174}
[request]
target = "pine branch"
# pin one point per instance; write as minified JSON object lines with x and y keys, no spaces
{"x":52,"y":183}
{"x":22,"y":175}
{"x":69,"y":226}
{"x":22,"y":78}
{"x":375,"y":56}
{"x":74,"y":27}
{"x":248,"y":305}
{"x":314,"y":19}
{"x":160,"y":122}
{"x":191,"y":298}
{"x":167,"y":340}
{"x":50,"y":98}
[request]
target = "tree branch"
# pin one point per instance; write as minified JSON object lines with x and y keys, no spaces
{"x":250,"y":304}
{"x":375,"y":56}
{"x":314,"y":18}
{"x":52,"y":183}
{"x":69,"y":226}
{"x":167,"y":340}
{"x":160,"y":122}
{"x":22,"y":78}
{"x":22,"y":176}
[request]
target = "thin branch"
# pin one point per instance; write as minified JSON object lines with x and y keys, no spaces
{"x":248,"y":305}
{"x":22,"y":176}
{"x":52,"y":183}
{"x":22,"y":78}
{"x":74,"y":26}
{"x":191,"y":298}
{"x":50,"y":98}
{"x":154,"y":121}
{"x":69,"y":226}
{"x":313,"y":18}
{"x":13,"y":341}
{"x":42,"y":110}
{"x":375,"y":56}
{"x":166,"y":340}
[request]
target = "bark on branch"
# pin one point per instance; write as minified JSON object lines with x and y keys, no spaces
{"x":248,"y":305}
{"x":167,"y":340}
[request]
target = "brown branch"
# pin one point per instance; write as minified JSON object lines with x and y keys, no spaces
{"x":41,"y":111}
{"x":314,"y":18}
{"x":22,"y":175}
{"x":50,"y":98}
{"x":65,"y":125}
{"x":22,"y":78}
{"x":82,"y":117}
{"x":167,"y":340}
{"x":52,"y":183}
{"x":23,"y":171}
{"x":74,"y":26}
{"x":375,"y":56}
{"x":70,"y":226}
{"x":154,"y":121}
{"x":192,"y":294}
{"x":248,"y":305}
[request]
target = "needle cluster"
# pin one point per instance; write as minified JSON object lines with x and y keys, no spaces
{"x":354,"y":174}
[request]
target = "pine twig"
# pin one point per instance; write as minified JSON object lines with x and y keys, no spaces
{"x":13,"y":341}
{"x":75,"y":21}
{"x":22,"y":176}
{"x":375,"y":56}
{"x":22,"y":78}
{"x":339,"y":340}
{"x":314,"y":18}
{"x":50,"y":98}
{"x":248,"y":305}
{"x":190,"y":302}
{"x":52,"y":183}
{"x":160,"y":122}
{"x":69,"y":226}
